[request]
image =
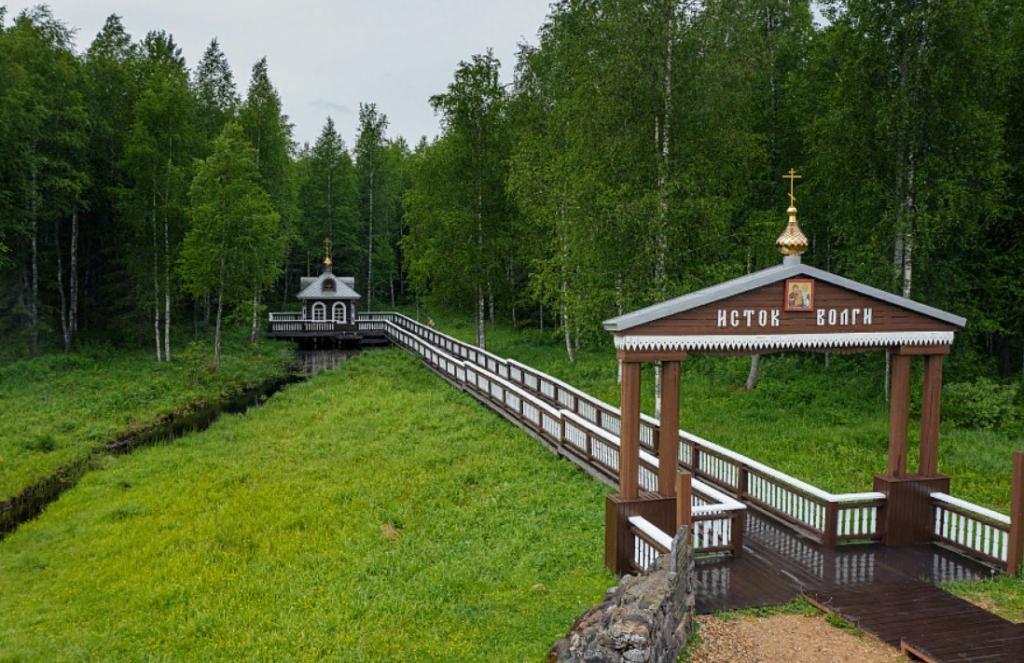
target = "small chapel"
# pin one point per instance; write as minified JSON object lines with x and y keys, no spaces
{"x":328,"y":308}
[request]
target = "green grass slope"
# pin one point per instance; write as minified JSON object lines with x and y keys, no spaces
{"x":57,"y":408}
{"x":371,"y":514}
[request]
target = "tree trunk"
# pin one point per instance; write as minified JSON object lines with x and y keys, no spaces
{"x":369,"y":252}
{"x":754,"y":374}
{"x":908,"y":262}
{"x":206,"y":312}
{"x":34,"y":308}
{"x":220,"y":313}
{"x":662,"y":144}
{"x":284,"y":284}
{"x":73,"y":276}
{"x":657,"y":388}
{"x":65,"y":328}
{"x":216,"y":333}
{"x":481,"y":337}
{"x":156,"y":283}
{"x":888,"y":374}
{"x":167,"y":289}
{"x":255,"y":322}
{"x":570,"y":350}
{"x":490,"y":302}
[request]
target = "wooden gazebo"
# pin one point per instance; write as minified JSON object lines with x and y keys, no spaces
{"x":785,"y":308}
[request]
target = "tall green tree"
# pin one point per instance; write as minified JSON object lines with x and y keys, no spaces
{"x":159,"y":150}
{"x":270,"y":132}
{"x":44,"y":127}
{"x":216,"y":96}
{"x":111,"y":71}
{"x":233,"y":243}
{"x":468,"y":207}
{"x":905,"y":139}
{"x":371,"y":174}
{"x":328,"y":202}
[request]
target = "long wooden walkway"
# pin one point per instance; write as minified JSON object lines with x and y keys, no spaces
{"x":889,"y":592}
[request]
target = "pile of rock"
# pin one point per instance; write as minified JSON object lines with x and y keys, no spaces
{"x":645,"y":619}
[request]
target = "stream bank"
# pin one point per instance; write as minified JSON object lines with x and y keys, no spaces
{"x":30,"y":502}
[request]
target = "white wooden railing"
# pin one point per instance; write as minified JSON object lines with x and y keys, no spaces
{"x":649,"y":542}
{"x":973,"y":529}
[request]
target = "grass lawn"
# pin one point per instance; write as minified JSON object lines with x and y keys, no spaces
{"x":371,"y":513}
{"x":57,"y":408}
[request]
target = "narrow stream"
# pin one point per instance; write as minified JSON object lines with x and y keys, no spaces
{"x":32,"y":500}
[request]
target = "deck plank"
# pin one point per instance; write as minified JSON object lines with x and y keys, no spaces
{"x":889,"y":592}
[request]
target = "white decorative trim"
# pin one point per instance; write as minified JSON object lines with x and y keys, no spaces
{"x":781,"y":341}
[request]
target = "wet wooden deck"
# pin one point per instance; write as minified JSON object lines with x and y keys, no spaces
{"x":887,"y":591}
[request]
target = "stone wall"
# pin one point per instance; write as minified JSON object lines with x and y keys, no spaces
{"x":646,"y":618}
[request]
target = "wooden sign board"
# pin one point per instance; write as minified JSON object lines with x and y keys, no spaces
{"x":764,"y":311}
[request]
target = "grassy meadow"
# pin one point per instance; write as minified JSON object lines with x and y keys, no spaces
{"x":370,"y":514}
{"x":58,"y":408}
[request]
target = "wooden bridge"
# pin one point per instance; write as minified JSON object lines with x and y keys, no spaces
{"x":764,"y":537}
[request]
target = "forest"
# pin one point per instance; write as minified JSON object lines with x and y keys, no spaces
{"x":635,"y":155}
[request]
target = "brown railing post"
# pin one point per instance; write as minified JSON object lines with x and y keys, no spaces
{"x":741,"y":482}
{"x":828,"y":536}
{"x":739,"y":523}
{"x":684,"y":499}
{"x":1016,"y":546}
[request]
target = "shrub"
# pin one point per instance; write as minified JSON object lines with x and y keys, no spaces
{"x":43,"y":443}
{"x":981,"y":403}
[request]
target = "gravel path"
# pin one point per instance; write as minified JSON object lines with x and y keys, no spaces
{"x":786,"y":639}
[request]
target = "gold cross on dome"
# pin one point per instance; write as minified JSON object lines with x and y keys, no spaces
{"x":792,"y":177}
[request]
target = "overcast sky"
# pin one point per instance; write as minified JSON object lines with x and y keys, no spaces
{"x":325,"y":57}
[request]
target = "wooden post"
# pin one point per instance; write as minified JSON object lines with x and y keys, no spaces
{"x":668,"y":440}
{"x":684,"y":499}
{"x":828,"y":537}
{"x":629,"y":429}
{"x":739,"y":526}
{"x":1015,"y":553}
{"x":899,"y":409}
{"x":931,"y":401}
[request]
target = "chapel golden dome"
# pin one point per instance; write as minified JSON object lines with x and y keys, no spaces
{"x":792,"y":241}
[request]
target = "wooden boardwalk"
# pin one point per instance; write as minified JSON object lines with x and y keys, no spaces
{"x":888,"y":591}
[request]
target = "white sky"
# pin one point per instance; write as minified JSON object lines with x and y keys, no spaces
{"x":326,"y":57}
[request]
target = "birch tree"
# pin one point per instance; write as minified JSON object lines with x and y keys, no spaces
{"x":471,"y":219}
{"x":233,"y":242}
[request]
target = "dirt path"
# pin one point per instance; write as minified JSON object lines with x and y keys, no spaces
{"x":786,"y":639}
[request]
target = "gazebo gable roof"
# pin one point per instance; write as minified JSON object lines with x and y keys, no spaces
{"x":314,"y":289}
